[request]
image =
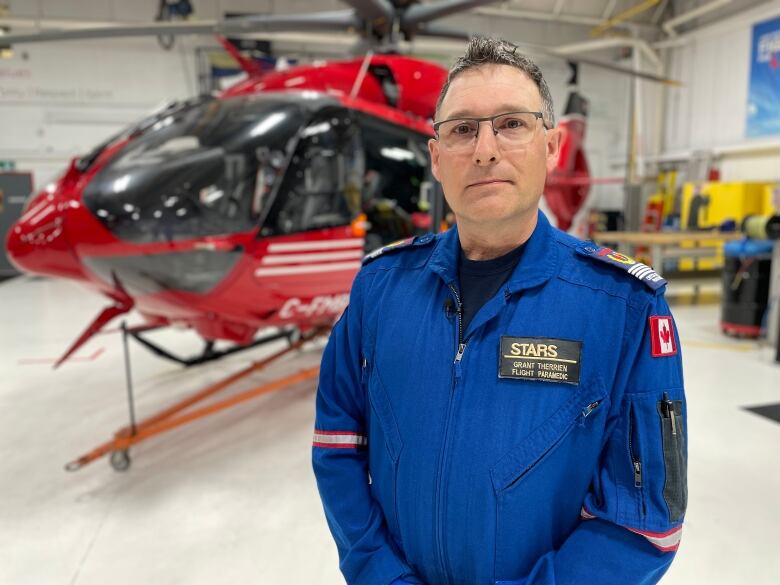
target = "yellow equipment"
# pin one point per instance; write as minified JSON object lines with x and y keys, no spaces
{"x":707,"y":205}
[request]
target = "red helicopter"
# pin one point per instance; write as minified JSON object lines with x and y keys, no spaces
{"x":251,"y":209}
{"x":234,"y":213}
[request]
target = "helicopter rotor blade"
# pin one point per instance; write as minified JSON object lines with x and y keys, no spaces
{"x":108,"y":32}
{"x":372,"y":9}
{"x":434,"y":30}
{"x":618,"y":69}
{"x":418,"y":14}
{"x":449,"y":41}
{"x":447,"y":47}
{"x":335,"y":21}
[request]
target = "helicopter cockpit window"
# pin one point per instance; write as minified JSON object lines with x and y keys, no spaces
{"x":321,"y":186}
{"x":204,"y":168}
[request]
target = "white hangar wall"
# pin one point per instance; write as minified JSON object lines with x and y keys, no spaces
{"x":58,"y":101}
{"x":709,"y":113}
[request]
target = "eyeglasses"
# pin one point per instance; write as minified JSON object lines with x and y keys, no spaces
{"x":512,"y":129}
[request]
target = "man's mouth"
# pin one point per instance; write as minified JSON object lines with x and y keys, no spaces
{"x":488,"y":182}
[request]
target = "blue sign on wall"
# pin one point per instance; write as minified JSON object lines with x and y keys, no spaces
{"x":763,"y":112}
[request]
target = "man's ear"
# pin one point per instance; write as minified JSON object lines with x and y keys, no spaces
{"x":553,"y":146}
{"x":433,"y":149}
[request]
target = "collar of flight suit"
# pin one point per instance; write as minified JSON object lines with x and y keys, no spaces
{"x":537,"y":265}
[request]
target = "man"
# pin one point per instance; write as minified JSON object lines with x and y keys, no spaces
{"x":502,"y":403}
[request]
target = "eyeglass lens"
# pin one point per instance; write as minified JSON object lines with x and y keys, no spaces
{"x":513,"y":129}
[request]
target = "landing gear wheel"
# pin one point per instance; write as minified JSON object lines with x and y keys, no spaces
{"x":120,"y":460}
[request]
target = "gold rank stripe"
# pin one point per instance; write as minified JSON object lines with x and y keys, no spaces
{"x":523,"y":357}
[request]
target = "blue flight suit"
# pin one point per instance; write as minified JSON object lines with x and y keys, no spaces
{"x":544,"y":445}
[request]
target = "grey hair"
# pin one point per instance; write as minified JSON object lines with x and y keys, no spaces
{"x":487,"y":51}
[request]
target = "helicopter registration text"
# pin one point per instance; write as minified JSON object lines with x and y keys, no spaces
{"x":321,"y":305}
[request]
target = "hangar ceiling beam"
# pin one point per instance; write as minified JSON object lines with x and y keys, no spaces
{"x":612,"y":43}
{"x":609,"y":9}
{"x":624,"y":16}
{"x":672,"y":23}
{"x":659,"y":12}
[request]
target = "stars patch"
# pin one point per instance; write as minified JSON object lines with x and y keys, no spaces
{"x":662,"y":341}
{"x":538,"y":358}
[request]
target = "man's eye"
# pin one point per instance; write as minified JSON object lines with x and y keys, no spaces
{"x":462,"y":129}
{"x":513,"y":124}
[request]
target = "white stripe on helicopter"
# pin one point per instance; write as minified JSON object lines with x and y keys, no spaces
{"x":290,"y":258}
{"x":316,"y":245}
{"x":333,"y":267}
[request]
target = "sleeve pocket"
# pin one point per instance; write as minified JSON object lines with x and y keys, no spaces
{"x":674,"y":450}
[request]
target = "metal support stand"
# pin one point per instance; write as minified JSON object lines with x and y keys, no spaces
{"x":120,"y":459}
{"x":128,"y":379}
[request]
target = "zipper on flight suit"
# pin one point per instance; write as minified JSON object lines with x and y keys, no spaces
{"x":440,"y":484}
{"x":461,"y":342}
{"x":636,"y":461}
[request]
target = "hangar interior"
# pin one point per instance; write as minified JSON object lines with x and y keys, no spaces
{"x":683,"y":174}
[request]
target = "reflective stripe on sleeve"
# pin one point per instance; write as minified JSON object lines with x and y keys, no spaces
{"x":664,"y":541}
{"x":339,"y":439}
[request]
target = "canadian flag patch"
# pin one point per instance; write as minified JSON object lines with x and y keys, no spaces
{"x":662,"y":336}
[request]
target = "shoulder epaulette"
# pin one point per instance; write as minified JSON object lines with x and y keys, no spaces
{"x":399,"y":245}
{"x":640,"y":271}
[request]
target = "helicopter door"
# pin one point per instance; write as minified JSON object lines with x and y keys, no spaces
{"x":397,"y":186}
{"x":319,"y":189}
{"x":309,"y":252}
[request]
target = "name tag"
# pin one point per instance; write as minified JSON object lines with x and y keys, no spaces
{"x":539,"y":358}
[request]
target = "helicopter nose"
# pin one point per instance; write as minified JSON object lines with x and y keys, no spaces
{"x":36,"y":242}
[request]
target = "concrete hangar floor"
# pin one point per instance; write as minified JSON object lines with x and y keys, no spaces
{"x":232,"y":499}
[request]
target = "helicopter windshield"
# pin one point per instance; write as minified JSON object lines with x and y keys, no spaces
{"x":203,"y":169}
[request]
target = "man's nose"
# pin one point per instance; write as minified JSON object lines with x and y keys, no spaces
{"x":486,"y":151}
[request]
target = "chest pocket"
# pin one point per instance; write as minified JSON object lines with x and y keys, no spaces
{"x":540,"y":483}
{"x":522,"y":458}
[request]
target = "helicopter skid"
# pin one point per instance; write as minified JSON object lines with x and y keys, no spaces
{"x":209,"y":353}
{"x":181,"y":413}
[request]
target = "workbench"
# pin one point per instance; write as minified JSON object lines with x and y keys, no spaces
{"x":664,"y":245}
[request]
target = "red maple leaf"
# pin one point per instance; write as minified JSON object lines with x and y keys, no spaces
{"x":665,"y":335}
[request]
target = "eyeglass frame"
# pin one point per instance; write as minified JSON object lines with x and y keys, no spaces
{"x":492,"y":119}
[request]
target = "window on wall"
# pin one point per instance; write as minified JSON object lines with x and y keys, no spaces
{"x":321,"y":185}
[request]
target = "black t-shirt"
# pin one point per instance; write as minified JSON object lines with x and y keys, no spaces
{"x":481,"y":279}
